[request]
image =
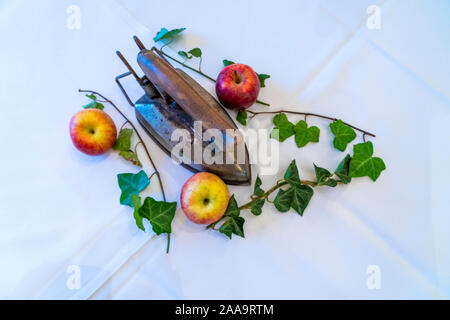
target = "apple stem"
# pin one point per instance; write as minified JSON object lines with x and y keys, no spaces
{"x":202,"y":73}
{"x":306,"y":114}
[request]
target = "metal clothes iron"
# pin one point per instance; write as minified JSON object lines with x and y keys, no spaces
{"x":173,"y":100}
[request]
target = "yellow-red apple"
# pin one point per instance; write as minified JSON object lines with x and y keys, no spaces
{"x":92,"y":131}
{"x":204,"y":198}
{"x":237,"y":86}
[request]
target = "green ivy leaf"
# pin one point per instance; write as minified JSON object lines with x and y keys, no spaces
{"x":296,"y":197}
{"x":283,"y":199}
{"x":343,"y":169}
{"x":301,"y":197}
{"x":291,"y":175}
{"x":232,"y":211}
{"x":94,"y":105}
{"x":323,"y":177}
{"x":227,"y":63}
{"x":131,"y":156}
{"x":343,"y":134}
{"x":165,"y":34}
{"x":283,"y":128}
{"x":233,"y":208}
{"x":304,"y":135}
{"x":257,"y":190}
{"x":196,"y":52}
{"x":233,"y":225}
{"x":131,"y":184}
{"x":136,"y":201}
{"x":123,"y":142}
{"x":262,"y":79}
{"x":332,"y":183}
{"x":242,"y":117}
{"x":256,"y":207}
{"x":363,"y":164}
{"x":159,"y":213}
{"x":184,"y":54}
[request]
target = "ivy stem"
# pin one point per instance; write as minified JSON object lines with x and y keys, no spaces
{"x":249,"y":204}
{"x":168,"y":243}
{"x":279,"y":184}
{"x":266,"y":194}
{"x":201,"y":73}
{"x":140,"y":140}
{"x":364,"y":132}
{"x":186,"y":66}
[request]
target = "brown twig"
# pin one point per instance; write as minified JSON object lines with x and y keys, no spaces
{"x":141,"y":141}
{"x":254,"y":114}
{"x":137,"y":144}
{"x":123,"y":125}
{"x":151,"y":176}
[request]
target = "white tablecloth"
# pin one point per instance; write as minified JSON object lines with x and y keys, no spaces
{"x":60,"y":208}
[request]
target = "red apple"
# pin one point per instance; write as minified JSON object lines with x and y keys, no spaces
{"x":93,"y":132}
{"x":204,"y":198}
{"x":237,"y":86}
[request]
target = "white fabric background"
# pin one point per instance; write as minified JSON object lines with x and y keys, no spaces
{"x":60,"y":208}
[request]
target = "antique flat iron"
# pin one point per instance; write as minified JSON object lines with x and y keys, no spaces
{"x":173,"y":100}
